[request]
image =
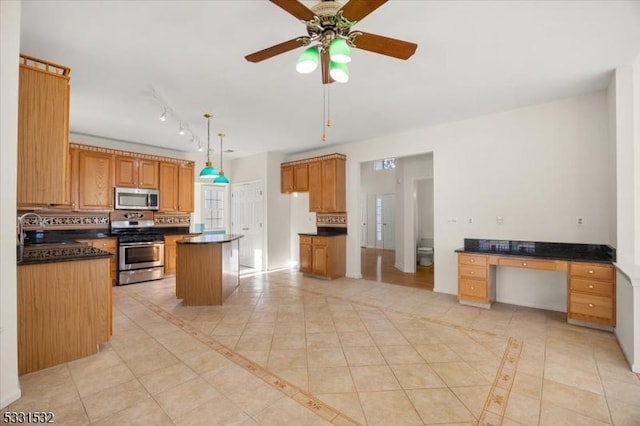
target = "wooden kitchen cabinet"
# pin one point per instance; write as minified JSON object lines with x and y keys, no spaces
{"x":43,"y":133}
{"x":294,"y":178}
{"x":176,"y":187}
{"x":186,"y":186}
{"x":94,"y":180}
{"x":591,"y":294}
{"x":327,"y":186}
{"x":136,"y":172}
{"x":170,"y":251}
{"x":473,"y":278}
{"x":323,"y":256}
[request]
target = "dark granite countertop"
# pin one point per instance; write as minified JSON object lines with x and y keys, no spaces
{"x":210,"y":239}
{"x":56,"y":252}
{"x":544,"y":250}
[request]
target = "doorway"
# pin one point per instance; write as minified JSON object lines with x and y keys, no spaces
{"x":394,"y":209}
{"x":246,"y":219}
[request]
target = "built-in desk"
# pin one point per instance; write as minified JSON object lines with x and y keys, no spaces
{"x":589,"y":268}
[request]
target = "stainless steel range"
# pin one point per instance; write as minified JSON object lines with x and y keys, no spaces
{"x":140,"y":246}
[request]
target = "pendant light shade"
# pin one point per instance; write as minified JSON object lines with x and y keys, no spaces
{"x":340,"y":51}
{"x":339,"y":72}
{"x":308,"y":60}
{"x":209,"y":171}
{"x":221,"y":179}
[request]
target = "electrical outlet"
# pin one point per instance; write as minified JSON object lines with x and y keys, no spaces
{"x":499,"y":220}
{"x":579,"y":221}
{"x":470,"y":220}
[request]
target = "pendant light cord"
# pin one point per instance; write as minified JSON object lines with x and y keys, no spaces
{"x":324,"y":111}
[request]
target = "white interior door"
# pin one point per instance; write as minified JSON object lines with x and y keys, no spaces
{"x":385,"y":219}
{"x":246,"y":219}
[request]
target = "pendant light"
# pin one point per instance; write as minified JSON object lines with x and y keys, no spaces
{"x":221,"y":179}
{"x":209,"y":171}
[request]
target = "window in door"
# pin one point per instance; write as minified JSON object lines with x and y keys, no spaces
{"x":212,"y":208}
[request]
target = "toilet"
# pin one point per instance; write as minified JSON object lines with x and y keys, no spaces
{"x":424,"y":252}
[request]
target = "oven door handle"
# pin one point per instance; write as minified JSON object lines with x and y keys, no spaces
{"x":141,"y":244}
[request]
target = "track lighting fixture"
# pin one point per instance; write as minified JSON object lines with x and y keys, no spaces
{"x":163,"y":116}
{"x":181,"y":130}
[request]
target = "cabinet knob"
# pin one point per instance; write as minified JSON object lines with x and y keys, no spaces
{"x":473,"y":261}
{"x":524,"y":263}
{"x":591,"y":305}
{"x":591,"y":271}
{"x":472,"y":272}
{"x":590,"y":285}
{"x":473,"y":288}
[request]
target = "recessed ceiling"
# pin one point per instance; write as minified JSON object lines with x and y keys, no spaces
{"x":473,"y":58}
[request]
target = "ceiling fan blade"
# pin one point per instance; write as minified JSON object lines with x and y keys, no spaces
{"x":385,"y":46}
{"x":272,"y":51}
{"x":324,"y":63}
{"x":295,"y":8}
{"x":355,"y":10}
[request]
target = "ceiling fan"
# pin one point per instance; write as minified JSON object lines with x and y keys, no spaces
{"x":329,"y":29}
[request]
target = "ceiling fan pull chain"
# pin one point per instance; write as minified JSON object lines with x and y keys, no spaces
{"x":328,"y":105}
{"x":324,"y":112}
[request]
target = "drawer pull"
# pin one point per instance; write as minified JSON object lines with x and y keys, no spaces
{"x":591,"y":305}
{"x":591,"y":271}
{"x":473,"y":288}
{"x":473,"y":272}
{"x":473,"y":261}
{"x":590,"y":285}
{"x":524,"y":263}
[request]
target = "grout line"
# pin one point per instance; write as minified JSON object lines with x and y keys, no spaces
{"x":297,"y":394}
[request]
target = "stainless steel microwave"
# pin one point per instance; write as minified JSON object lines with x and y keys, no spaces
{"x":137,"y":199}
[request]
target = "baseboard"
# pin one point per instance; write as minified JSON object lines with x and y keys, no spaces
{"x":13,"y":397}
{"x":534,"y":305}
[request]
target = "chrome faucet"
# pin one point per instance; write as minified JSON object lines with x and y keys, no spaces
{"x":21,"y":235}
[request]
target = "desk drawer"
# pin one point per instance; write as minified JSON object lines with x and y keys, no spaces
{"x":592,"y":271}
{"x":599,"y":288}
{"x":520,"y":262}
{"x":594,"y":306}
{"x":472,"y":271}
{"x":474,"y":288}
{"x":473,"y":259}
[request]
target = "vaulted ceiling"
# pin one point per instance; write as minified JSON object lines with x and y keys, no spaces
{"x":473,"y":58}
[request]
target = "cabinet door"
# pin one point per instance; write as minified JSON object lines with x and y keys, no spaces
{"x":126,"y":171}
{"x":333,"y":185}
{"x":43,"y":137}
{"x":315,"y":186}
{"x":320,"y":266}
{"x":186,"y":187}
{"x":301,"y":178}
{"x":286,"y":179}
{"x":306,"y":258}
{"x":147,"y":174}
{"x":168,"y":187}
{"x":95,"y":180}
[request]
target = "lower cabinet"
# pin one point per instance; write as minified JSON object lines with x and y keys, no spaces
{"x":591,"y":294}
{"x":170,"y":252}
{"x":473,"y":278}
{"x":323,"y":256}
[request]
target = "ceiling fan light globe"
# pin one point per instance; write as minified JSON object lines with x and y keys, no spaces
{"x":308,"y":60}
{"x":340,"y":51}
{"x":339,"y":72}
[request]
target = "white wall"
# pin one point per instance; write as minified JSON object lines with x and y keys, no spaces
{"x":302,"y":220}
{"x":625,"y":111}
{"x":539,"y":167}
{"x":9,"y":53}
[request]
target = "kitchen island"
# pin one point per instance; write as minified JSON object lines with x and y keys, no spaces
{"x":207,"y":268}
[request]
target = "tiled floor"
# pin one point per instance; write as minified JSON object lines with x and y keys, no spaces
{"x":286,"y":349}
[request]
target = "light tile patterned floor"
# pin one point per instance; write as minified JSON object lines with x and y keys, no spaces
{"x":286,"y":349}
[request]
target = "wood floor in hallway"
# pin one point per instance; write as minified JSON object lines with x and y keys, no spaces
{"x":377,"y":265}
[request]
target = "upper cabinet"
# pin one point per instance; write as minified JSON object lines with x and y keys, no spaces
{"x":43,"y":133}
{"x":176,"y":187}
{"x":323,"y":177}
{"x":94,"y":180}
{"x":136,"y":172}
